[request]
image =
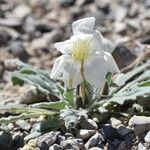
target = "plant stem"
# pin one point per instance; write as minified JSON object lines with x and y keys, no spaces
{"x":83,"y":84}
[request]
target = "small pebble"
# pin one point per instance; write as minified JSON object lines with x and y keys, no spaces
{"x":147,"y":137}
{"x":87,"y":124}
{"x":115,"y":122}
{"x":94,"y":140}
{"x":24,"y":125}
{"x":86,"y":134}
{"x":56,"y":147}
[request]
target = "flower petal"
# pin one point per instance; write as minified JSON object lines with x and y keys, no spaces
{"x":72,"y":68}
{"x":108,"y":46}
{"x":97,"y":41}
{"x":95,"y":71}
{"x":110,"y":63}
{"x":64,"y":47}
{"x":57,"y":69}
{"x":85,"y":26}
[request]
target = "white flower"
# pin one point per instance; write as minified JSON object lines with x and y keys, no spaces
{"x":88,"y":50}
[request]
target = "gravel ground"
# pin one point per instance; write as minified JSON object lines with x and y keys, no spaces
{"x":28,"y":30}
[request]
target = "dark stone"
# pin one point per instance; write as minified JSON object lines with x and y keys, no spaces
{"x":4,"y":38}
{"x":56,"y":147}
{"x":70,"y":144}
{"x":6,"y":142}
{"x":18,"y":141}
{"x":47,"y":139}
{"x":110,"y":132}
{"x":17,"y":48}
{"x":67,"y":3}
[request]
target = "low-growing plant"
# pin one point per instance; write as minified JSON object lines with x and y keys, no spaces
{"x":75,"y":87}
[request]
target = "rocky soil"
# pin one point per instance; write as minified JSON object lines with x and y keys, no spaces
{"x":28,"y":31}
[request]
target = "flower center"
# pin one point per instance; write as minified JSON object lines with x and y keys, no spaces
{"x":81,"y":50}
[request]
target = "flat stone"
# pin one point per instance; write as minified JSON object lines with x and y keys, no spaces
{"x":56,"y":147}
{"x":111,"y":132}
{"x":94,"y":140}
{"x":140,"y":124}
{"x":86,"y":134}
{"x":95,"y":148}
{"x":70,"y":144}
{"x":21,"y":11}
{"x":141,"y":147}
{"x":10,"y":22}
{"x":124,"y":130}
{"x":47,"y":139}
{"x":87,"y":124}
{"x":17,"y":48}
{"x":147,"y":137}
{"x":6,"y":142}
{"x":115,"y":122}
{"x":24,"y":125}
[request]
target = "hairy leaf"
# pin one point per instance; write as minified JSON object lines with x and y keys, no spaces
{"x":51,"y":105}
{"x":39,"y":78}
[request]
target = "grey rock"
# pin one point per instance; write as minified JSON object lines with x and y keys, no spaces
{"x":147,"y":137}
{"x":87,"y":124}
{"x":122,"y":145}
{"x":141,"y":147}
{"x":35,"y":127}
{"x":147,"y":3}
{"x":60,"y":138}
{"x":32,"y":135}
{"x":30,"y":25}
{"x":115,"y":122}
{"x":47,"y":139}
{"x":140,"y":124}
{"x":21,"y":11}
{"x":129,"y":139}
{"x":94,"y":140}
{"x":56,"y":147}
{"x":4,"y":37}
{"x":66,"y":3}
{"x":70,"y":144}
{"x":10,"y":126}
{"x":24,"y":125}
{"x":80,"y":144}
{"x":45,"y":41}
{"x":4,"y":127}
{"x":6,"y":142}
{"x":17,"y":48}
{"x":124,"y":130}
{"x":121,"y":13}
{"x":2,"y":68}
{"x":110,"y":132}
{"x":18,"y":140}
{"x":68,"y":135}
{"x":95,"y":148}
{"x":10,"y":22}
{"x":86,"y":134}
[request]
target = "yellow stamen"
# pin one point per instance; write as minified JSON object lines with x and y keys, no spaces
{"x":81,"y":50}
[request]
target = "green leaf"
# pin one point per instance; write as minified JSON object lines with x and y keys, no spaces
{"x":145,"y":83}
{"x":12,"y":119}
{"x":25,"y":109}
{"x":70,"y":118}
{"x":39,"y":78}
{"x":109,"y":77}
{"x":130,"y":94}
{"x":51,"y":105}
{"x":122,"y":79}
{"x":50,"y":124}
{"x":69,"y":96}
